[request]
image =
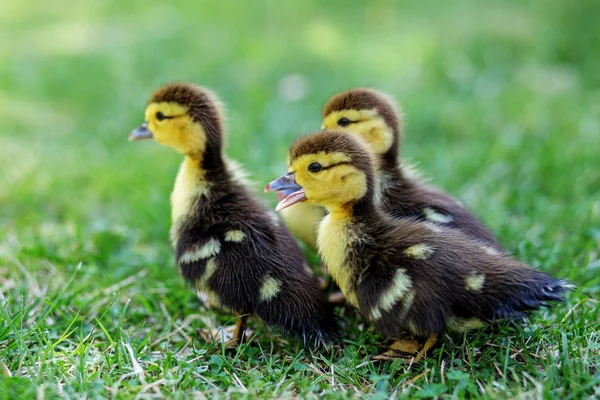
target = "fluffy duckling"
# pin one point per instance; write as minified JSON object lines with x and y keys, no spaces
{"x":372,"y":115}
{"x":227,"y":244}
{"x":405,"y":275}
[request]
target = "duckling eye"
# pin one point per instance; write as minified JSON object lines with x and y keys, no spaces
{"x":344,"y":122}
{"x":160,"y":116}
{"x":315,"y":167}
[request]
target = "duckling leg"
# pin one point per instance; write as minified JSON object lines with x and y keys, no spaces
{"x":401,"y":348}
{"x":231,"y":335}
{"x":240,"y":329}
{"x":429,"y":343}
{"x":408,"y":349}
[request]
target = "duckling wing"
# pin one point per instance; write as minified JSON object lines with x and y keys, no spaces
{"x":405,"y":196}
{"x":262,"y":271}
{"x":425,"y":278}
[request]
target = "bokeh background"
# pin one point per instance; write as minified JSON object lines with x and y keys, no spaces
{"x":501,"y":102}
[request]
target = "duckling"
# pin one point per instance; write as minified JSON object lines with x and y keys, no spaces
{"x":228,"y":244}
{"x":405,"y":275}
{"x":372,"y":115}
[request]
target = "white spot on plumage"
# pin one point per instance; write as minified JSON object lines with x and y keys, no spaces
{"x":234,"y":236}
{"x":269,"y":289}
{"x":208,"y":249}
{"x":211,"y":267}
{"x":474,"y":282}
{"x":412,"y":327}
{"x":490,"y":250}
{"x":435,"y":216}
{"x":419,"y":251}
{"x":399,"y":287}
{"x":375,"y":313}
{"x":460,"y":325}
{"x":433,"y":227}
{"x":408,"y":301}
{"x":205,"y":293}
{"x":411,"y":171}
{"x":237,"y":173}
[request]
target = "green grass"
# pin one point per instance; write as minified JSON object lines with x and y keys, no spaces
{"x":501,"y":103}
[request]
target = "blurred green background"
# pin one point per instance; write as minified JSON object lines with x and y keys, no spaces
{"x":501,"y":102}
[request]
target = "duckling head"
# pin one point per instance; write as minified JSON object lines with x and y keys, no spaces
{"x":186,"y":118}
{"x":329,"y":168}
{"x":370,"y":114}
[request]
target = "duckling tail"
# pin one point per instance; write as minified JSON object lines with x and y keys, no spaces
{"x":539,"y":292}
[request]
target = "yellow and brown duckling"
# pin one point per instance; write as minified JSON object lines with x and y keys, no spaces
{"x":227,"y":243}
{"x":405,"y":275}
{"x":373,"y":115}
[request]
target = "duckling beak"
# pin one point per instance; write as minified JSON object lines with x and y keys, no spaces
{"x":140,"y":133}
{"x":293,"y":192}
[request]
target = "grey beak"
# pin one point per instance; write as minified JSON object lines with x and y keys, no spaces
{"x":140,"y":133}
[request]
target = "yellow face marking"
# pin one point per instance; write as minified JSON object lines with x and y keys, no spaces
{"x":336,"y":186}
{"x":474,"y":282}
{"x":189,"y":184}
{"x":419,"y":251}
{"x":435,"y":216}
{"x":269,"y":289}
{"x":302,"y":219}
{"x":178,"y":131}
{"x":461,"y":325}
{"x":234,"y":236}
{"x":368,"y":124}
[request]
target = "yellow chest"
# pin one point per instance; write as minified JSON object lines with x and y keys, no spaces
{"x":189,"y":184}
{"x":303,"y":221}
{"x":333,"y":241}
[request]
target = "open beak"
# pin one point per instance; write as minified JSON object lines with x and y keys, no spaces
{"x":140,"y":133}
{"x":293,"y":192}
